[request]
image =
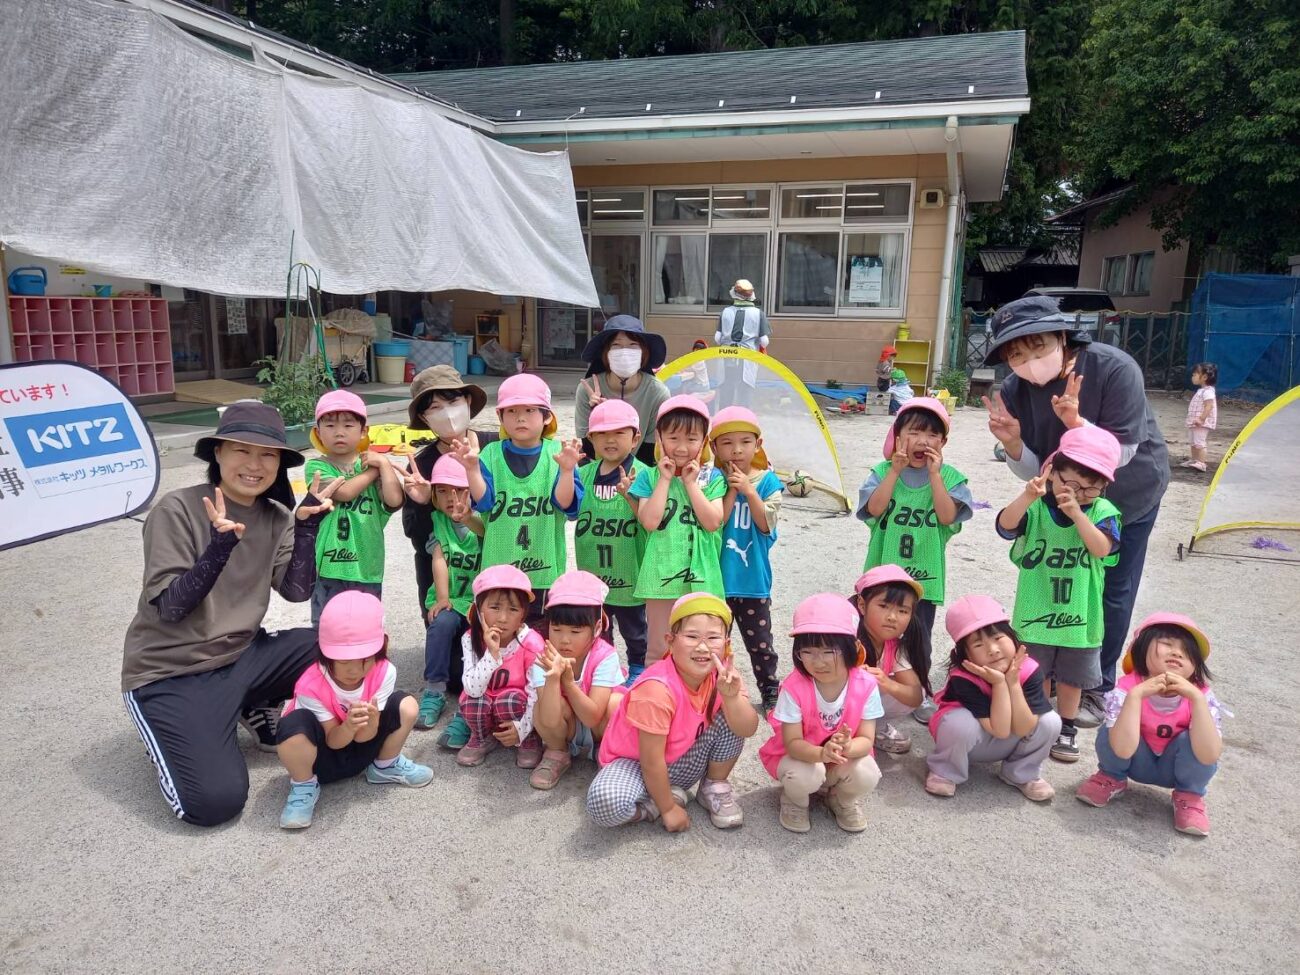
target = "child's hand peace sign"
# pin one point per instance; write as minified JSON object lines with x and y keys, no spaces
{"x":569,"y":454}
{"x":1002,"y":424}
{"x":1066,"y":405}
{"x":625,"y":482}
{"x":667,"y":467}
{"x":728,"y":679}
{"x":415,"y":485}
{"x":691,"y":471}
{"x":592,"y":387}
{"x":1036,"y":487}
{"x":322,"y":495}
{"x":465,"y":450}
{"x":217,"y":515}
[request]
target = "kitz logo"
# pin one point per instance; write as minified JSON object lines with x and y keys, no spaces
{"x":605,"y":527}
{"x":1057,"y":558}
{"x":521,"y":507}
{"x":70,"y":435}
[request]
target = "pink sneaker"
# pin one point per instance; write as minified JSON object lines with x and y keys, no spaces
{"x":1036,"y":790}
{"x":1189,"y":814}
{"x":937,"y":785}
{"x":475,"y":753}
{"x":1100,"y":789}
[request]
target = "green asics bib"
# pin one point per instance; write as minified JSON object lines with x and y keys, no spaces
{"x":681,"y":557}
{"x":463,"y":555}
{"x":908,"y":532}
{"x":608,"y":541}
{"x":1058,"y":595}
{"x":523,"y":528}
{"x":350,"y":540}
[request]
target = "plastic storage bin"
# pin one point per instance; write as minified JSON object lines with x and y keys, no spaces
{"x":477,"y":367}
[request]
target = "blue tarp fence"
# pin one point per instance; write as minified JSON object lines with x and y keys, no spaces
{"x":1249,"y":326}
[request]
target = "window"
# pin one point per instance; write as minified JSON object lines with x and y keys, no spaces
{"x":1112,"y":274}
{"x":612,"y":205}
{"x":679,"y":266}
{"x":1139,"y":273}
{"x":616,"y":270}
{"x":742,"y":204}
{"x":583,"y":207}
{"x":806,"y":275}
{"x":681,"y":208}
{"x":877,"y":203}
{"x":872,"y":271}
{"x":735,"y":256}
{"x":812,"y":203}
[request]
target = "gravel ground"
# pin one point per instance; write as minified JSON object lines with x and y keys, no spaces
{"x":480,"y":873}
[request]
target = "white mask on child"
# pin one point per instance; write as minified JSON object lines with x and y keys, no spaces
{"x":625,"y":363}
{"x":450,"y":421}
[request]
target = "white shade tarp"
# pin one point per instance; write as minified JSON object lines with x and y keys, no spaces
{"x":132,"y":148}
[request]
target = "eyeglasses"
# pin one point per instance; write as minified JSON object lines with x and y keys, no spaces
{"x":1082,"y":490}
{"x":818,"y":656}
{"x":712,"y":642}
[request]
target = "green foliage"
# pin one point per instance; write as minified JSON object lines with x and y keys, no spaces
{"x":956,"y":382}
{"x":1197,"y":104}
{"x":293,"y":387}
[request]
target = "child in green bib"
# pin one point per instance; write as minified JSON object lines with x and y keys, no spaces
{"x":1064,"y":536}
{"x":350,"y":543}
{"x":914,"y":504}
{"x":523,"y":487}
{"x":608,"y":540}
{"x":679,"y":503}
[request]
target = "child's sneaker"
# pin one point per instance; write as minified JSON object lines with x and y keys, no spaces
{"x":937,"y":785}
{"x":553,"y":765}
{"x":300,"y":805}
{"x":261,"y":723}
{"x":893,"y":741}
{"x":1035,"y":790}
{"x":1189,"y":814}
{"x":849,"y":816}
{"x":633,"y":672}
{"x":1065,"y":749}
{"x":529,"y":753}
{"x":432,"y":704}
{"x":456,"y":735}
{"x":769,"y":699}
{"x":403,"y":771}
{"x":476,"y":752}
{"x":925,"y":712}
{"x":1100,"y":789}
{"x":793,"y":816}
{"x":719,"y":799}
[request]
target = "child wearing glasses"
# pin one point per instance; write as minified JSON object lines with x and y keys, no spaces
{"x":1064,"y":536}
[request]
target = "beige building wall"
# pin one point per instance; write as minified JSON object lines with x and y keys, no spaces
{"x":817,"y":349}
{"x":1133,"y":234}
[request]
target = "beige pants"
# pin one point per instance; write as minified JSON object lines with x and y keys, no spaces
{"x":852,"y":780}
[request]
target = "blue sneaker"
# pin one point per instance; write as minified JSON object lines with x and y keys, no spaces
{"x":401,"y":772}
{"x":432,"y":704}
{"x":633,"y":672}
{"x":456,"y":735}
{"x":300,"y":805}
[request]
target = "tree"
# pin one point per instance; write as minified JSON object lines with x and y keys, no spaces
{"x":1199,"y":99}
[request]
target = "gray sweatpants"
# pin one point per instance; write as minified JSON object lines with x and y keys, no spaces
{"x":960,"y":740}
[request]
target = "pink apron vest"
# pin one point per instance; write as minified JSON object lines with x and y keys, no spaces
{"x":622,"y":739}
{"x":1026,"y":670}
{"x":804,"y":691}
{"x":513,"y":672}
{"x":1159,"y":728}
{"x":313,"y":684}
{"x":599,"y":652}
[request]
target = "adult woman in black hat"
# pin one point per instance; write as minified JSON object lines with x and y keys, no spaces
{"x":1063,"y":379}
{"x":622,"y":359}
{"x":196,"y":657}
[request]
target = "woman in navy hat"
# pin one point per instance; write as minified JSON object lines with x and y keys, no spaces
{"x":1063,"y":379}
{"x":196,"y":659}
{"x":622,"y":359}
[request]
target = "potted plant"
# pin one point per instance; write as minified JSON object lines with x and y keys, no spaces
{"x":293,"y":388}
{"x":956,"y":383}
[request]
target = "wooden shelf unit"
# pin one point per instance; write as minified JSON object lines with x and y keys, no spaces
{"x":486,"y":328}
{"x":127,"y":340}
{"x":914,"y":359}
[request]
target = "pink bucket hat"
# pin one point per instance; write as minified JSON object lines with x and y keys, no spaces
{"x":1166,"y":619}
{"x":502,"y":577}
{"x":614,"y":414}
{"x":523,"y":389}
{"x":351,"y":626}
{"x":884,"y":574}
{"x":341,"y":401}
{"x":1091,"y":446}
{"x":971,"y":613}
{"x":449,"y":471}
{"x":577,"y":588}
{"x":825,"y":613}
{"x":917,"y":403}
{"x":682,"y":401}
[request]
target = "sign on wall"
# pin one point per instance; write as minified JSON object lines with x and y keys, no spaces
{"x":74,"y":452}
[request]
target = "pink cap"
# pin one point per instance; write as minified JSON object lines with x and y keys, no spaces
{"x":448,"y":470}
{"x":884,"y":574}
{"x":341,"y":401}
{"x":614,"y":414}
{"x":916,"y":403}
{"x":1091,"y":447}
{"x":731,"y":419}
{"x":351,"y":626}
{"x":971,"y":613}
{"x":523,"y":389}
{"x":577,"y":588}
{"x":1167,"y":619}
{"x":502,"y":577}
{"x":825,"y":612}
{"x":682,"y":402}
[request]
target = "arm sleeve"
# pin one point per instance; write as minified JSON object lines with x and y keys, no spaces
{"x":1034,"y":695}
{"x":571,"y":512}
{"x":641,"y":487}
{"x":485,"y":503}
{"x":1112,"y":705}
{"x":1011,"y":535}
{"x":477,"y":673}
{"x":536,"y":677}
{"x":1111,"y":527}
{"x":1027,"y":466}
{"x":650,"y":708}
{"x":386,"y":688}
{"x":191,"y":587}
{"x":968,"y":696}
{"x":961,"y":496}
{"x":875,"y":708}
{"x":582,"y":408}
{"x":525,"y":724}
{"x":318,"y":710}
{"x":609,"y":673}
{"x":787,"y":711}
{"x":864,"y":495}
{"x":296,"y":559}
{"x":764,"y":331}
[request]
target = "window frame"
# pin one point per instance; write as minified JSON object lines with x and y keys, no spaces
{"x":1130,"y":273}
{"x":1106,"y":264}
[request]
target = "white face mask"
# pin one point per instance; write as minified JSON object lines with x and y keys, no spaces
{"x":625,"y":363}
{"x":1042,"y":370}
{"x":448,"y":420}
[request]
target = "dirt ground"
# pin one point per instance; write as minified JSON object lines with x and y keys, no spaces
{"x":480,"y":873}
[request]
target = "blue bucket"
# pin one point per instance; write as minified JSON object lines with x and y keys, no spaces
{"x":477,"y":367}
{"x":395,"y":350}
{"x":29,"y":280}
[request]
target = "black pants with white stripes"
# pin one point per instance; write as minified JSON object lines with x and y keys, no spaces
{"x":189,"y":723}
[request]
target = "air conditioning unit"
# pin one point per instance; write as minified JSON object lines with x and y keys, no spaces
{"x":932,"y":199}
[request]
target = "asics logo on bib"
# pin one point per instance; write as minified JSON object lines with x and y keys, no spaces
{"x":462,"y":560}
{"x":1056,"y":558}
{"x":908,"y":517}
{"x":605,"y":527}
{"x":521,"y":507}
{"x":685,"y":514}
{"x":362,"y":504}
{"x":1056,"y":621}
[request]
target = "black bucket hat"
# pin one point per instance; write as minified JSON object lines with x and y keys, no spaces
{"x":250,"y":422}
{"x":1034,"y":315}
{"x":595,"y":351}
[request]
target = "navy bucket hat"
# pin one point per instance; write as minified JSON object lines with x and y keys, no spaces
{"x":1034,"y":315}
{"x":594,"y":353}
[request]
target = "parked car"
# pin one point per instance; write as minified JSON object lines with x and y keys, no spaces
{"x":1089,"y":306}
